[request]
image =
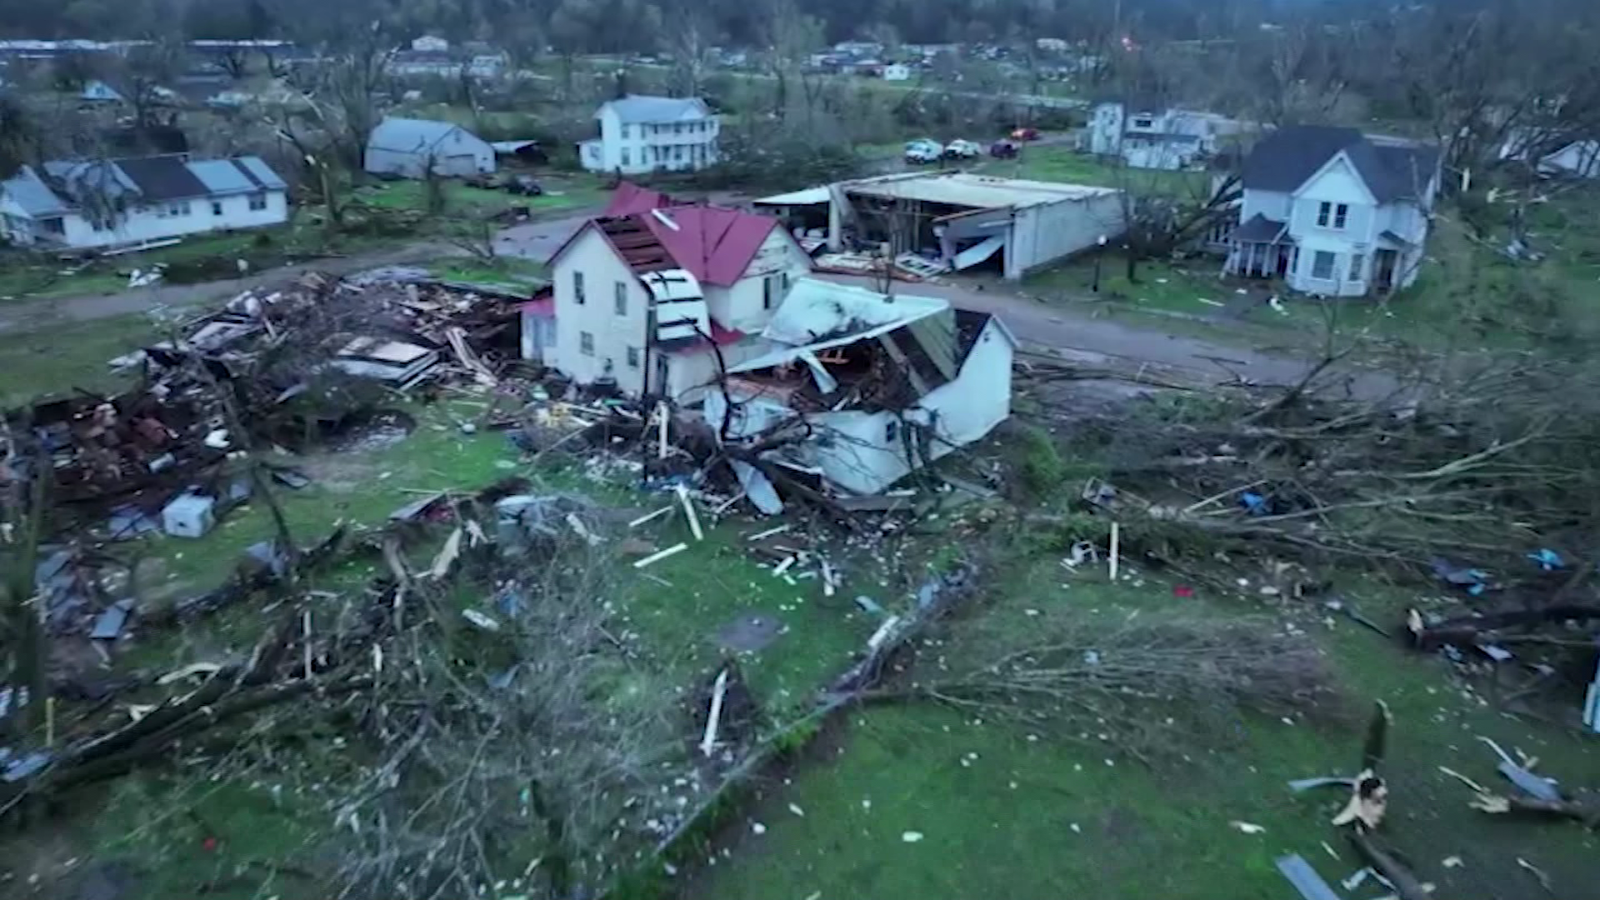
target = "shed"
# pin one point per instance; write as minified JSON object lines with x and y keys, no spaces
{"x":408,"y":147}
{"x":966,"y":220}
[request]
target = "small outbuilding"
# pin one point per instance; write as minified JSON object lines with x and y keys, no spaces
{"x":410,"y":147}
{"x":957,"y":220}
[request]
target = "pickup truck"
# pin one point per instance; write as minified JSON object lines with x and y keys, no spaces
{"x":921,"y":152}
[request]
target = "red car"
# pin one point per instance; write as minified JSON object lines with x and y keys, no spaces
{"x":1025,"y":134}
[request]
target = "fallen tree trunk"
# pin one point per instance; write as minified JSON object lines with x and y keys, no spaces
{"x":1472,"y":631}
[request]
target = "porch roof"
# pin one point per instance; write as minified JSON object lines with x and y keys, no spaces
{"x":1262,"y":230}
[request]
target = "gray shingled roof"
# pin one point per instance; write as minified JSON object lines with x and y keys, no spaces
{"x":29,"y":191}
{"x":1393,"y":170}
{"x":410,"y":135}
{"x":64,"y":185}
{"x":635,"y":108}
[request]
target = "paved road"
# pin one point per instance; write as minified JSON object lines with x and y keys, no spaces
{"x":1073,"y":332}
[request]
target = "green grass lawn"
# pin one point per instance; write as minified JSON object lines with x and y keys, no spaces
{"x":1048,"y":818}
{"x":561,"y":192}
{"x":55,"y":359}
{"x":507,"y":271}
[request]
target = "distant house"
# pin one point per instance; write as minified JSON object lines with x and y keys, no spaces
{"x":97,"y":91}
{"x":640,"y":134}
{"x":1558,"y":157}
{"x":430,"y":44}
{"x":648,"y":298}
{"x":117,"y":202}
{"x":1334,"y":212}
{"x":1150,"y":135}
{"x":411,"y":147}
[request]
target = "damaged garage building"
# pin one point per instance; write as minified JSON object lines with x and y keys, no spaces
{"x":863,"y":388}
{"x":935,"y":222}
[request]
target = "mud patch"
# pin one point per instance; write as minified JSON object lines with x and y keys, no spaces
{"x":749,"y":632}
{"x":367,"y":432}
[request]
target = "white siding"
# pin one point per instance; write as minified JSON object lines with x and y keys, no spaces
{"x":612,"y":334}
{"x":639,"y":148}
{"x":1272,"y":204}
{"x":866,"y":461}
{"x":861,"y":455}
{"x":742,"y":306}
{"x":457,"y":155}
{"x":1045,"y":233}
{"x":141,"y":227}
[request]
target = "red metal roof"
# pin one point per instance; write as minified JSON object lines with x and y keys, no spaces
{"x":629,"y":198}
{"x":713,"y":244}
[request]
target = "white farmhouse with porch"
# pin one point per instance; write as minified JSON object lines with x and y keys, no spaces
{"x":127,"y":202}
{"x":1334,"y":212}
{"x":648,"y":297}
{"x":640,"y":134}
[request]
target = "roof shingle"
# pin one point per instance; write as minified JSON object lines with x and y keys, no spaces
{"x":1392,"y":169}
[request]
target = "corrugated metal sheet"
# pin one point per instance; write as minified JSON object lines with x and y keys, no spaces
{"x":979,"y":191}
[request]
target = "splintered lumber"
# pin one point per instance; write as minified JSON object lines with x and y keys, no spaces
{"x":1116,"y":544}
{"x":657,"y":557}
{"x":447,"y":556}
{"x":661,"y":413}
{"x":714,"y":719}
{"x":650,"y":517}
{"x":768,"y":533}
{"x":688,"y":512}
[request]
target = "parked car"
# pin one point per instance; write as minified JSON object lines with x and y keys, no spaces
{"x":962,"y":150}
{"x":1025,"y":134}
{"x":1003,"y":149}
{"x":924,"y":151}
{"x":524,"y":185}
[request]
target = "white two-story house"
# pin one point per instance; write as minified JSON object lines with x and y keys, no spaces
{"x":126,"y":202}
{"x":649,"y":299}
{"x":1156,"y":136}
{"x":1334,"y":212}
{"x":648,"y":134}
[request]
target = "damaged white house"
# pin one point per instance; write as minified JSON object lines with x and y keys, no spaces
{"x":862,"y":388}
{"x":650,"y":295}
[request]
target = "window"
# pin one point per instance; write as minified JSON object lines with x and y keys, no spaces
{"x":216,"y":207}
{"x":54,"y":225}
{"x":622,"y":298}
{"x":1358,"y":264}
{"x":633,"y":357}
{"x":258,"y":202}
{"x":677,"y":153}
{"x":625,"y":160}
{"x":1144,"y":123}
{"x":773,"y":288}
{"x":625,"y":130}
{"x":577,"y":288}
{"x":1323,"y":212}
{"x":891,"y":431}
{"x":586,"y":343}
{"x":1322,"y":265}
{"x":1340,"y":214}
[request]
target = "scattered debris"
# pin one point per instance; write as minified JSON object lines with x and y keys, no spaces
{"x":1247,"y":827}
{"x":709,"y":742}
{"x":1305,"y":879}
{"x":657,"y":557}
{"x":911,"y":837}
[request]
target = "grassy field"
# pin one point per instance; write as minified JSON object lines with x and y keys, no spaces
{"x":1039,"y":817}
